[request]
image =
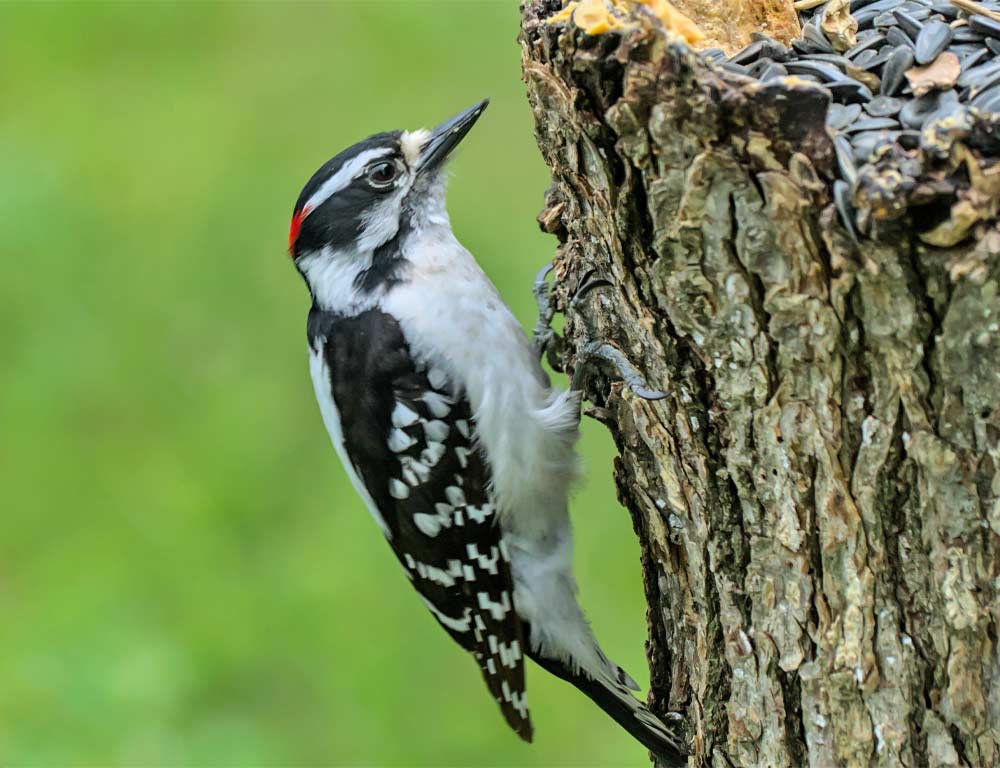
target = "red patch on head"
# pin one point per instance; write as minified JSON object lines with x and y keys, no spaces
{"x":296,"y":225}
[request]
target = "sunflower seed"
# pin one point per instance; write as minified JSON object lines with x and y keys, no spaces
{"x":758,"y":67}
{"x":872,"y":124}
{"x":845,"y":160}
{"x":748,"y":55}
{"x":945,"y":110}
{"x":932,"y":40}
{"x":865,"y":143}
{"x":900,"y":60}
{"x":917,"y":12}
{"x":773,"y":70}
{"x":865,"y":18}
{"x":870,"y":42}
{"x":914,"y":113}
{"x":988,"y":100}
{"x":880,"y":58}
{"x":907,"y":23}
{"x":850,"y":91}
{"x":896,"y":36}
{"x":977,"y":75}
{"x":737,"y":68}
{"x":772,"y":48}
{"x":885,"y":19}
{"x":825,"y":72}
{"x":714,"y":54}
{"x":840,"y":116}
{"x":833,"y":59}
{"x":971,"y":59}
{"x":947,"y":10}
{"x":845,"y":209}
{"x":984,"y":83}
{"x":864,"y":58}
{"x":893,"y":36}
{"x":883,"y":106}
{"x":968,"y":35}
{"x":812,"y":33}
{"x":805,"y":48}
{"x":989,"y":27}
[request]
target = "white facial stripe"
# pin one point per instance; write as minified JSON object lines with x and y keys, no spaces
{"x":380,"y":223}
{"x":347,"y":173}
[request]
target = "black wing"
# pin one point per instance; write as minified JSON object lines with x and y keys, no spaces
{"x":410,"y":434}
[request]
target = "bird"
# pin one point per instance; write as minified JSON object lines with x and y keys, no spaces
{"x":446,"y":423}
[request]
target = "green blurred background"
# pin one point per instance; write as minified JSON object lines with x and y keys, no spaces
{"x":186,"y":577}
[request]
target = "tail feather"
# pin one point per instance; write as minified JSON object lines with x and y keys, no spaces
{"x":631,"y":714}
{"x":619,"y":674}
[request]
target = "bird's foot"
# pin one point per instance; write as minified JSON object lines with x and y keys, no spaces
{"x":544,"y":338}
{"x":598,"y":350}
{"x":587,"y":284}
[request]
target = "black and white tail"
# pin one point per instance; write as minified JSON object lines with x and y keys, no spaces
{"x":614,"y":698}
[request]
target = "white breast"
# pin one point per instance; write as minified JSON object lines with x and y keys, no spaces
{"x":452,"y":316}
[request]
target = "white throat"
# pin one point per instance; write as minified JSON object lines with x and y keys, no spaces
{"x":332,"y":277}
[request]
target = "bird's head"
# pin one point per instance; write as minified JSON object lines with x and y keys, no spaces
{"x":371,"y":195}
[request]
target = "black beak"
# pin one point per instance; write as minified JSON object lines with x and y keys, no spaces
{"x":446,"y":136}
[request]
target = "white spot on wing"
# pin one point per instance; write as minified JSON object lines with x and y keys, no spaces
{"x":479,"y":514}
{"x":420,"y":471}
{"x":429,"y":525}
{"x":454,"y":495}
{"x":463,"y":428}
{"x":456,"y":625}
{"x":432,"y":454}
{"x":437,"y":378}
{"x":520,"y":702}
{"x":399,"y":441}
{"x":436,"y":430}
{"x":487,"y":562}
{"x":438,"y":404}
{"x":403,"y":416}
{"x":498,"y":610}
{"x":398,"y":489}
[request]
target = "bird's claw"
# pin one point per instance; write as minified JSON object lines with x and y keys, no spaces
{"x":543,"y":334}
{"x":632,"y":378}
{"x":588,"y":284}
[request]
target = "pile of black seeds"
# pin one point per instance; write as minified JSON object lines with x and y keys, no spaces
{"x":907,"y":79}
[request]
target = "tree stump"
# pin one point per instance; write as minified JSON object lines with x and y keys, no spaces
{"x":818,"y":494}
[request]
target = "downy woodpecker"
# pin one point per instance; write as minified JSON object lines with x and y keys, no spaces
{"x":446,"y":423}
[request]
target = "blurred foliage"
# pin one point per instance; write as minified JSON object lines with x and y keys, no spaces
{"x":186,"y":577}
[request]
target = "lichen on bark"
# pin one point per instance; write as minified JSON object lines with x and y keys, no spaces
{"x":818,"y":496}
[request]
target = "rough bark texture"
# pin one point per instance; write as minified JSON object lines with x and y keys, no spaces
{"x":818,"y":496}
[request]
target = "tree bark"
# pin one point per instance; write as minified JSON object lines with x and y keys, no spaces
{"x":818,"y":495}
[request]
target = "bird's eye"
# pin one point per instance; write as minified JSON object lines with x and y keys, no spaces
{"x":382,"y":174}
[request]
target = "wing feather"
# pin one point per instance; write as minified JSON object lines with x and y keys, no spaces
{"x":410,"y":434}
